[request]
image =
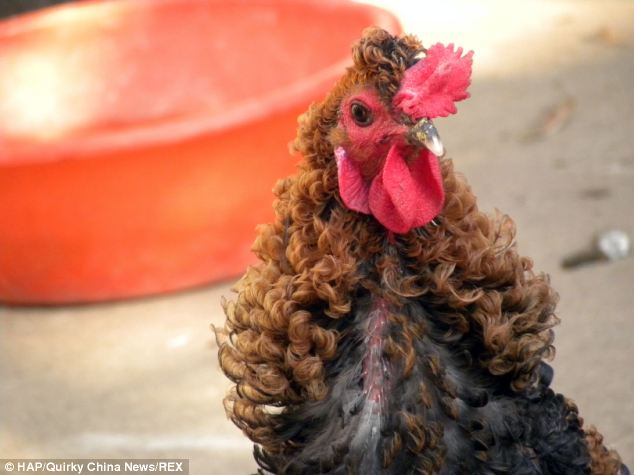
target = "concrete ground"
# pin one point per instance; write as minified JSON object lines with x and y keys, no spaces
{"x":547,"y":137}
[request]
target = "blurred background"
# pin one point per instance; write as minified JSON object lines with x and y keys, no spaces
{"x":87,"y":371}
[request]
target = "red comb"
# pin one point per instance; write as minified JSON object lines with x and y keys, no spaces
{"x":432,"y":86}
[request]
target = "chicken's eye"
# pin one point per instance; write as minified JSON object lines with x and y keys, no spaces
{"x":361,"y":115}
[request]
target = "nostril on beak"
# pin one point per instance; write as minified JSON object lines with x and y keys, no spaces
{"x":424,"y":133}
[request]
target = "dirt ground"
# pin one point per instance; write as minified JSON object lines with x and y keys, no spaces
{"x":547,"y":137}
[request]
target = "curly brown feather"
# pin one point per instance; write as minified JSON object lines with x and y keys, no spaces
{"x":294,"y":310}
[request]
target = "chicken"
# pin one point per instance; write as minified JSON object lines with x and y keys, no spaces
{"x":391,"y":327}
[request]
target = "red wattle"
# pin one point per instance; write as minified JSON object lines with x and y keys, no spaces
{"x":401,"y":197}
{"x":353,"y":187}
{"x":405,"y":196}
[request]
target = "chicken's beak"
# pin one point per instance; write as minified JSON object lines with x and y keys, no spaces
{"x":424,"y":133}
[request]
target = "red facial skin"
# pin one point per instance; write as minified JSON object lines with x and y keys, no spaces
{"x":368,"y":146}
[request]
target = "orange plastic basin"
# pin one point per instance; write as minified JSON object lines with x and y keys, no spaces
{"x":140,"y":140}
